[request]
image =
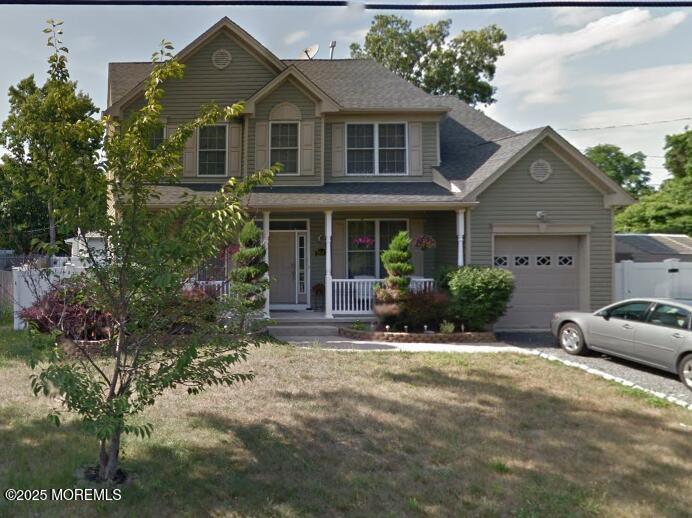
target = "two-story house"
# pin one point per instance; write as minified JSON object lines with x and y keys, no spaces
{"x":367,"y":154}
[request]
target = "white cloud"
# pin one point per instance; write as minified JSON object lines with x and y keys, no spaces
{"x":534,"y":67}
{"x":295,"y":37}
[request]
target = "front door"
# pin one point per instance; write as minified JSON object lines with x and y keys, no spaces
{"x":282,"y":267}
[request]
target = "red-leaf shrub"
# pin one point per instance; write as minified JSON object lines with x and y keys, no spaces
{"x":425,"y":308}
{"x":69,"y":311}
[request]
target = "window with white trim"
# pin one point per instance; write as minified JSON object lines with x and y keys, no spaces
{"x":212,"y":151}
{"x":284,"y":146}
{"x":376,"y":149}
{"x":366,"y":240}
{"x":156,"y":137}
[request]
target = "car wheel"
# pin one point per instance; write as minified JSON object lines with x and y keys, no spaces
{"x":571,"y":339}
{"x":685,"y":371}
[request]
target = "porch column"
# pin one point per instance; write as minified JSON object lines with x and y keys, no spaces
{"x":328,"y":264}
{"x":461,"y":229}
{"x":265,"y":242}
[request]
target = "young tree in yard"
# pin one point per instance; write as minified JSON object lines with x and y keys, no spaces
{"x":627,"y":170}
{"x":53,"y":143}
{"x":668,"y":210}
{"x":140,"y":282}
{"x":462,"y":66}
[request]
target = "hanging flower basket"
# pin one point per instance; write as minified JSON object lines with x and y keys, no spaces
{"x":425,"y":242}
{"x":363,"y":242}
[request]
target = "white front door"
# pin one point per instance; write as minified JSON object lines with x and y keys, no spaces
{"x":282,"y":267}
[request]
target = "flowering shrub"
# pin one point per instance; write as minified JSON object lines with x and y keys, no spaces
{"x":425,"y":308}
{"x":363,"y":241}
{"x":425,"y":242}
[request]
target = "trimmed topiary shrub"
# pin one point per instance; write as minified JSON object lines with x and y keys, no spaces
{"x":479,"y":295}
{"x":248,"y":276}
{"x":392,"y":294}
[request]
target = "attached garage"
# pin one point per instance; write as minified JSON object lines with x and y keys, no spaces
{"x":547,"y":272}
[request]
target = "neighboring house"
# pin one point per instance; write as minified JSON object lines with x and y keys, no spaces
{"x":652,"y":248}
{"x":368,"y":154}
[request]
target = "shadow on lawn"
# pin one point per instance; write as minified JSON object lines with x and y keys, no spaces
{"x":439,"y":444}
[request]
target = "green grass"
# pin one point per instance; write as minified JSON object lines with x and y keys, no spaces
{"x":321,"y":433}
{"x":643,"y":396}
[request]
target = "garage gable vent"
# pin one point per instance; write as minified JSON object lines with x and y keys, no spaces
{"x":540,"y":170}
{"x":221,"y":58}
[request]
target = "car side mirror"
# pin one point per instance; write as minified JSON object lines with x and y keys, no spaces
{"x":605,"y":315}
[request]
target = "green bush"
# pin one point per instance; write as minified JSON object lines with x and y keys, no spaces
{"x":248,"y":281}
{"x":392,"y":294}
{"x":479,"y":295}
{"x":425,"y":308}
{"x":447,"y":328}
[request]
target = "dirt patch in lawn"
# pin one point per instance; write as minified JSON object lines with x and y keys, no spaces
{"x":374,"y":434}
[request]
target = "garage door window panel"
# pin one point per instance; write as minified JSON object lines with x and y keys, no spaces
{"x":522,"y":261}
{"x":565,"y":261}
{"x":501,"y":261}
{"x":543,"y":260}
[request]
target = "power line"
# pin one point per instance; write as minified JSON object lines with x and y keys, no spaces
{"x":650,"y":123}
{"x":372,"y":6}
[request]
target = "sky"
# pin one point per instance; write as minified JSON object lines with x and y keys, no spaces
{"x":570,"y":68}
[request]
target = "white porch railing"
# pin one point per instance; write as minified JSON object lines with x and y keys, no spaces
{"x":216,"y":288}
{"x":356,"y":296}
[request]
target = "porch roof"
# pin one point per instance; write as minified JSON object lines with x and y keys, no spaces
{"x":346,"y":195}
{"x":355,"y":195}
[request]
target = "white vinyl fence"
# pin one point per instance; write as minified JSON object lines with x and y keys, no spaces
{"x":30,"y":284}
{"x":666,"y":279}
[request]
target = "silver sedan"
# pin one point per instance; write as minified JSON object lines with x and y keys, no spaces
{"x":655,"y":332}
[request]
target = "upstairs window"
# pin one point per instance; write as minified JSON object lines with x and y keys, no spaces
{"x":376,"y":149}
{"x":284,"y":146}
{"x":156,"y":137}
{"x":212,"y":151}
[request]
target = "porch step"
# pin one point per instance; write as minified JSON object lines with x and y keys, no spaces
{"x":287,"y":331}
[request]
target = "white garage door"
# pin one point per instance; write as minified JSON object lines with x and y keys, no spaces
{"x":546,"y":276}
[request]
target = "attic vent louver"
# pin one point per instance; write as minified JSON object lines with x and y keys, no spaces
{"x":540,"y":170}
{"x":221,"y":58}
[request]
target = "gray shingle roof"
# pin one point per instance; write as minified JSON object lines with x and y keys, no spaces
{"x":666,"y":244}
{"x":473,"y":146}
{"x":123,"y":77}
{"x":364,"y":84}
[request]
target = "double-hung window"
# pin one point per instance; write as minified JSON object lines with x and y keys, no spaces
{"x":376,"y":149}
{"x":212,"y":151}
{"x":367,"y":239}
{"x":284,"y":146}
{"x":156,"y":137}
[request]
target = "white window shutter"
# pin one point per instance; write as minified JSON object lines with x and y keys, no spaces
{"x":338,"y":153}
{"x":261,"y":145}
{"x":307,"y":147}
{"x":415,"y":149}
{"x":235,"y":132}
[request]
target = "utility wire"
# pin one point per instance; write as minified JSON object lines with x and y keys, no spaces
{"x":372,"y":6}
{"x":650,"y":123}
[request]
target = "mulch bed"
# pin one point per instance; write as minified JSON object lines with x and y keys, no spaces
{"x":433,"y":338}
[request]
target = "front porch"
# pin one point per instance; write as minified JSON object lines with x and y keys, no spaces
{"x":327,"y":263}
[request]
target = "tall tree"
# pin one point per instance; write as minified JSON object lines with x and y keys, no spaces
{"x":53,"y":140}
{"x":627,"y":170}
{"x":679,"y":154}
{"x":140,"y":282}
{"x":462,"y":66}
{"x":670,"y":208}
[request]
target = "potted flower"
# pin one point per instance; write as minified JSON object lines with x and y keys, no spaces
{"x":425,"y":242}
{"x":364,"y":242}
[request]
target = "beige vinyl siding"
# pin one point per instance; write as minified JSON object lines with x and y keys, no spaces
{"x":442,"y":227}
{"x":566,"y":197}
{"x":429,"y":145}
{"x":289,"y":92}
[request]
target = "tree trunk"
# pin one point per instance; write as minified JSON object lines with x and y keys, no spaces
{"x":108,"y":457}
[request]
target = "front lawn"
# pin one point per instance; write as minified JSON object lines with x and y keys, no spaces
{"x":371,"y":434}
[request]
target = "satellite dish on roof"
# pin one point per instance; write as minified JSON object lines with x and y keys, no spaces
{"x":309,"y":52}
